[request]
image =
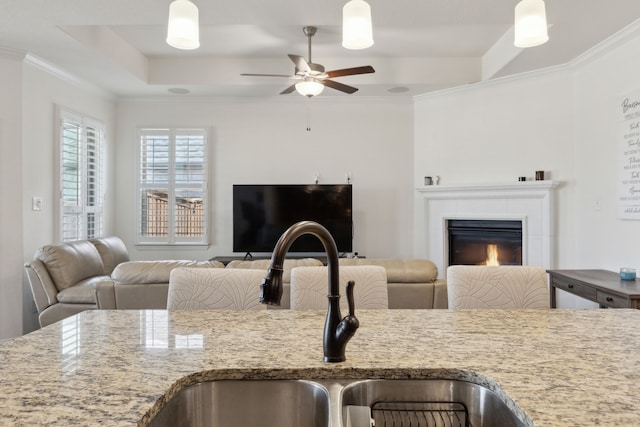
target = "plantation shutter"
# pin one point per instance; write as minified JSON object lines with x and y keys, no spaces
{"x":172,"y":181}
{"x":81,"y":177}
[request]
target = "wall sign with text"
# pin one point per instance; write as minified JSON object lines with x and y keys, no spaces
{"x":629,"y":158}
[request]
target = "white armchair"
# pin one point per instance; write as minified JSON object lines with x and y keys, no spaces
{"x":215,"y":289}
{"x":309,"y":287}
{"x":505,"y":287}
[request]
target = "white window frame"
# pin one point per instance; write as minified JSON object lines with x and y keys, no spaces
{"x":80,"y":216}
{"x":172,"y":187}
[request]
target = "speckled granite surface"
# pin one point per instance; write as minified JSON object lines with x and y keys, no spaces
{"x":560,"y":367}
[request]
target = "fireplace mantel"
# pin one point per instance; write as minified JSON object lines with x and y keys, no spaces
{"x":523,"y":187}
{"x":532,"y":202}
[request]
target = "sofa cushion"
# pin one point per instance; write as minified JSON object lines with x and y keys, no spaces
{"x":112,"y":251}
{"x":84,"y":292}
{"x":400,"y":270}
{"x":289,"y":263}
{"x":69,"y":263}
{"x":140,"y":272}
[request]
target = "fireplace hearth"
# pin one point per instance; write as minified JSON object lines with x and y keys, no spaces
{"x":484,"y":242}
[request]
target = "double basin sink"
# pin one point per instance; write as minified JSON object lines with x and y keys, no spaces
{"x":336,"y":403}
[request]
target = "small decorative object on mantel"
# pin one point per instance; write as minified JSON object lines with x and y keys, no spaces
{"x":428,"y":180}
{"x":628,"y":273}
{"x":436,"y":179}
{"x":522,"y":178}
{"x":539,"y":175}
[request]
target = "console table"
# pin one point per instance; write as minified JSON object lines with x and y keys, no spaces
{"x":601,"y":286}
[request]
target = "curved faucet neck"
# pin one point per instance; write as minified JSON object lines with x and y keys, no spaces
{"x":309,"y":227}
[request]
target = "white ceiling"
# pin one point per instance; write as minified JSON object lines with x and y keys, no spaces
{"x":420,"y":45}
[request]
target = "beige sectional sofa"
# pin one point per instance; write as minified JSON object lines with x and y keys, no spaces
{"x":67,"y":278}
{"x":289,"y":264}
{"x":412,"y":283}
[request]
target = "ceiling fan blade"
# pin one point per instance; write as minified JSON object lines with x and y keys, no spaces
{"x":266,"y":75}
{"x":288,"y":90}
{"x":301,"y":63}
{"x":351,"y":71}
{"x":339,"y":86}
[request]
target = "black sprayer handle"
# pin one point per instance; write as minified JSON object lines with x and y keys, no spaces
{"x":350,"y":300}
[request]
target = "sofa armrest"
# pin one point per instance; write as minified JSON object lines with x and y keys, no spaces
{"x":106,"y":295}
{"x":42,"y":287}
{"x":440,"y":299}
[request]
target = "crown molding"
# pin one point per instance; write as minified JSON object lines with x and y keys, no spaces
{"x":596,"y":52}
{"x":12,"y":53}
{"x":65,"y":76}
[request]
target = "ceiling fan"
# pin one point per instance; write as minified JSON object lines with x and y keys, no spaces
{"x":312,"y":77}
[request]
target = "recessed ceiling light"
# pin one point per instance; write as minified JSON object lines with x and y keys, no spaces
{"x":398,"y":89}
{"x":179,"y":90}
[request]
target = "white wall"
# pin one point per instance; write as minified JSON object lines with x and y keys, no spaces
{"x":43,"y":90}
{"x":563,"y":121}
{"x":10,"y":196}
{"x":266,"y":141}
{"x":496,"y":132}
{"x":602,"y":240}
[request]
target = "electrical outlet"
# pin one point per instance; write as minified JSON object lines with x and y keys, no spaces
{"x":36,"y":203}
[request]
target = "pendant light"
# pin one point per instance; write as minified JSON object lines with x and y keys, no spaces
{"x":183,"y":31}
{"x":530,"y":23}
{"x":357,"y":30}
{"x":309,"y":87}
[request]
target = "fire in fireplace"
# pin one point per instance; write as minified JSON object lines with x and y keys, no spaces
{"x":484,"y":242}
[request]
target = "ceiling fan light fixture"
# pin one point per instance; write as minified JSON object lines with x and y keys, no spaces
{"x":309,"y":87}
{"x":183,"y":31}
{"x":530,"y":24}
{"x":357,"y":30}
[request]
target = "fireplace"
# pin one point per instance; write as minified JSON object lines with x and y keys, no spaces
{"x":531,"y":203}
{"x":484,"y":242}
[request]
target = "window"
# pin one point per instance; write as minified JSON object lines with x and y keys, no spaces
{"x":172,"y":186}
{"x":81,"y":184}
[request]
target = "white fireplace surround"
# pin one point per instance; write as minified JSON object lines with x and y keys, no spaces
{"x":531,"y":202}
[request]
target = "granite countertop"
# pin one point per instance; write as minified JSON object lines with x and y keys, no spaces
{"x":555,"y":368}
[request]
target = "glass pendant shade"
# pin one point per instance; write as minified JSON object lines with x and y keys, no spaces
{"x":357,"y":32}
{"x":183,"y":31}
{"x":530,"y":23}
{"x":309,"y":87}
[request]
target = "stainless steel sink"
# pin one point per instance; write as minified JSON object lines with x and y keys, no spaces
{"x":336,"y":403}
{"x":423,"y":403}
{"x":248,"y":403}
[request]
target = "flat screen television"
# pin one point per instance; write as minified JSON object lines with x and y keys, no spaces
{"x":261,"y":213}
